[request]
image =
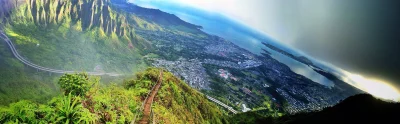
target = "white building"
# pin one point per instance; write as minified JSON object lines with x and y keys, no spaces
{"x":244,"y":108}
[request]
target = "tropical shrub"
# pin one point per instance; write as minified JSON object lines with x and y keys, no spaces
{"x":75,"y":84}
{"x":22,"y":111}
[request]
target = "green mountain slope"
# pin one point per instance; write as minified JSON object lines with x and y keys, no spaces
{"x":84,"y":34}
{"x":19,"y":82}
{"x":52,"y":33}
{"x":175,"y":102}
{"x":76,"y":35}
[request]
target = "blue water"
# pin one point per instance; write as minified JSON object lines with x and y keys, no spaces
{"x":301,"y":68}
{"x":238,"y":34}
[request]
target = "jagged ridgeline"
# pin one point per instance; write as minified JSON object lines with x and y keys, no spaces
{"x":86,"y":14}
{"x":79,"y":35}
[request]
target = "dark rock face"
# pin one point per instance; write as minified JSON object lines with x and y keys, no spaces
{"x":108,"y":15}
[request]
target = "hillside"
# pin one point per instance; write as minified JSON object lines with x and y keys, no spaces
{"x":84,"y":34}
{"x":84,"y":100}
{"x":50,"y":33}
{"x":20,"y":82}
{"x":75,"y":35}
{"x":362,"y":109}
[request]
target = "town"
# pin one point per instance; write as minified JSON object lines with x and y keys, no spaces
{"x":236,"y":76}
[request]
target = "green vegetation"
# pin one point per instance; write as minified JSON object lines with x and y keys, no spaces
{"x":18,"y":82}
{"x":77,"y":35}
{"x":175,"y":102}
{"x":83,"y":34}
{"x":76,"y":84}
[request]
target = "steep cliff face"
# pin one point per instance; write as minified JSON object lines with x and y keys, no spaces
{"x":87,"y":14}
{"x":111,"y":16}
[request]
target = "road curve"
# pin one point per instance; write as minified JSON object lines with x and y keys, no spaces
{"x":26,"y":62}
{"x":222,"y":104}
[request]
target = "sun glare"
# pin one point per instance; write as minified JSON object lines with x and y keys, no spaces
{"x":377,"y":88}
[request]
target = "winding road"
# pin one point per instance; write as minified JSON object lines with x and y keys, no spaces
{"x":26,"y":62}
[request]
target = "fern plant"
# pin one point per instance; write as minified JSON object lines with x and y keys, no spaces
{"x":22,"y":111}
{"x":70,"y":110}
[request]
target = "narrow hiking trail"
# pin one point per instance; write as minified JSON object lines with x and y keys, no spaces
{"x":149,"y":101}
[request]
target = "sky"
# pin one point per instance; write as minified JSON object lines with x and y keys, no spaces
{"x":360,"y":36}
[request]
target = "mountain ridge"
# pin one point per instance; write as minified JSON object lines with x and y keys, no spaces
{"x":361,"y":108}
{"x":154,"y":15}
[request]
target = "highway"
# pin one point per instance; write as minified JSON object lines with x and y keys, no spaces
{"x":28,"y":63}
{"x":222,"y":104}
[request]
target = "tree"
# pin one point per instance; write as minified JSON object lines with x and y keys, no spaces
{"x":76,"y":84}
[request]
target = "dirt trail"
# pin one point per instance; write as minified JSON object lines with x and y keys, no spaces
{"x":149,"y":101}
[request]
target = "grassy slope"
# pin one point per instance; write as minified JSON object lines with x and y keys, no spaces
{"x":19,"y":82}
{"x":178,"y":103}
{"x":69,"y":49}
